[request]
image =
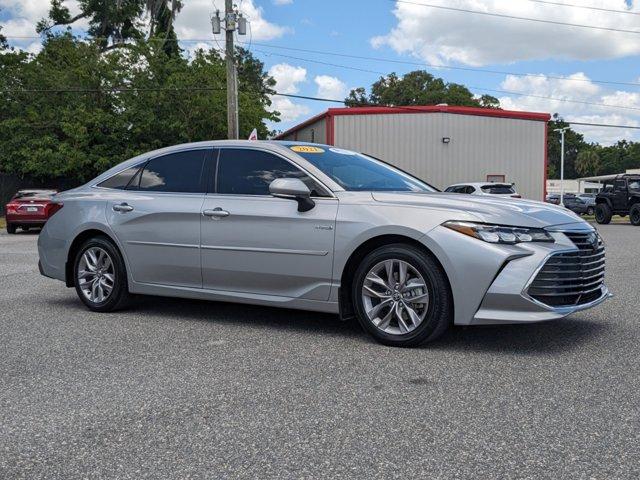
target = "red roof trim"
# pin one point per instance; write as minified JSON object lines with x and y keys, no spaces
{"x":482,"y":112}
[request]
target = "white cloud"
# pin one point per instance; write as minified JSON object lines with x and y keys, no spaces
{"x":330,"y":87}
{"x":288,"y":78}
{"x":289,"y":111}
{"x":193,"y":21}
{"x":282,"y":2}
{"x":581,"y":89}
{"x":443,"y":36}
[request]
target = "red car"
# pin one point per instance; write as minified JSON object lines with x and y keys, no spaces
{"x":30,"y":209}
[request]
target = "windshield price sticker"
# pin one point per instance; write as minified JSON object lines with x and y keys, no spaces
{"x":306,"y":149}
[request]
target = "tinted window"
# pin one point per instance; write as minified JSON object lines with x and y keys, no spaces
{"x":498,"y":189}
{"x":176,"y":172}
{"x":620,"y":185}
{"x":357,"y":172}
{"x":244,"y":171}
{"x":120,"y":180}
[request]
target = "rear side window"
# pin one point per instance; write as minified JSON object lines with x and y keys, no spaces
{"x":245,"y":171}
{"x":120,"y":180}
{"x":498,"y":189}
{"x":179,"y":172}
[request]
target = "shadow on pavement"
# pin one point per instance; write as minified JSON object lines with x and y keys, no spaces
{"x":533,"y":339}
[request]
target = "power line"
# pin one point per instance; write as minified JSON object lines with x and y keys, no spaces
{"x":506,"y":92}
{"x":303,"y":97}
{"x":515,"y":17}
{"x":449,"y":67}
{"x":586,"y":7}
{"x":385,"y":60}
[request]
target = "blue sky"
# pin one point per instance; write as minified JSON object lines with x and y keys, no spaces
{"x":406,"y":32}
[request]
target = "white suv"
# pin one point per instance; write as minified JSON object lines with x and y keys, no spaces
{"x":506,"y":190}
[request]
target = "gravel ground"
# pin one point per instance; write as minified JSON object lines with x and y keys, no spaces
{"x":184,"y":389}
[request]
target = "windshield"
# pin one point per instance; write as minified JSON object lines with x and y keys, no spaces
{"x":357,"y":172}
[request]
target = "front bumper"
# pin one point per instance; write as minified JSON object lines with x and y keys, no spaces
{"x":508,"y":301}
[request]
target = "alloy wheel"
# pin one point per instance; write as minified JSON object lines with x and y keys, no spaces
{"x":96,"y":275}
{"x":395,"y":297}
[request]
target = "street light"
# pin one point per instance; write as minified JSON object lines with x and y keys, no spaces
{"x":561,"y":130}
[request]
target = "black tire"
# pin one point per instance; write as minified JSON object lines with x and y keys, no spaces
{"x":439,"y":313}
{"x":603,"y":213}
{"x":11,"y":229}
{"x":591,"y":211}
{"x":634,"y":215}
{"x":119,"y":296}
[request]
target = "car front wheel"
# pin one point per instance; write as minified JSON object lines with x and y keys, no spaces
{"x":401,"y":296}
{"x":100,"y":276}
{"x":634,"y":215}
{"x":603,"y":213}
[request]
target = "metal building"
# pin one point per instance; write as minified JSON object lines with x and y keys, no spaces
{"x":441,"y":144}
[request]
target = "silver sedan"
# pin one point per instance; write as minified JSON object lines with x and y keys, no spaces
{"x":315,"y":227}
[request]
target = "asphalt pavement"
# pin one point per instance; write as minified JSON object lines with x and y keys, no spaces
{"x":185,"y":389}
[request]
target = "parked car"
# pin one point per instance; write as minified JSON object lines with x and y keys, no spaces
{"x":318,"y":228}
{"x":29,"y":209}
{"x":619,"y":196}
{"x":554,"y":198}
{"x":576,"y":204}
{"x":590,"y":200}
{"x":506,"y":190}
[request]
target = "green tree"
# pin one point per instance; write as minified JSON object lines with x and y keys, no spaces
{"x":111,"y":23}
{"x":587,"y":162}
{"x":416,"y":88}
{"x":573,"y":143}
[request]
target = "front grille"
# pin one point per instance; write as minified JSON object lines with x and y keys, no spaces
{"x":571,"y":278}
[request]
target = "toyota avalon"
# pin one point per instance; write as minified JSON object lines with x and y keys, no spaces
{"x":314,"y":227}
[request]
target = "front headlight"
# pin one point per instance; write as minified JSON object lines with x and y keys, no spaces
{"x":499,"y":233}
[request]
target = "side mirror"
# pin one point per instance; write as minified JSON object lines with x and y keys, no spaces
{"x":295,"y":189}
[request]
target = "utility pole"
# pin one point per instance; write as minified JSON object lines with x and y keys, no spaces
{"x":232,"y":19}
{"x":561,"y":130}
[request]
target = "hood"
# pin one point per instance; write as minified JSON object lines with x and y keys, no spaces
{"x":486,"y":209}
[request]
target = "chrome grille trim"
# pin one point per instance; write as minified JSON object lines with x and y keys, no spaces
{"x":570,"y":278}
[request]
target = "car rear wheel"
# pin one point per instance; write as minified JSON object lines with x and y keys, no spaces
{"x":590,"y":211}
{"x":603,"y":213}
{"x":11,"y":228}
{"x":100,"y":276}
{"x":401,"y":296}
{"x":634,"y":215}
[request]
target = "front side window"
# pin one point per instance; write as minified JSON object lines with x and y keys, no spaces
{"x":179,"y":172}
{"x":357,"y":172}
{"x":120,"y":180}
{"x":634,"y":185}
{"x":243,"y":171}
{"x":620,"y":185}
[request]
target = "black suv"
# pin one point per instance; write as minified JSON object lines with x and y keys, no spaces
{"x":619,"y":196}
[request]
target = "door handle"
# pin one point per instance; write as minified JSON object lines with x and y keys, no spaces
{"x":123,"y":207}
{"x":216,"y":213}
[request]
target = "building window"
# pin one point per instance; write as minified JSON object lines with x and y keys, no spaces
{"x":496,"y":178}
